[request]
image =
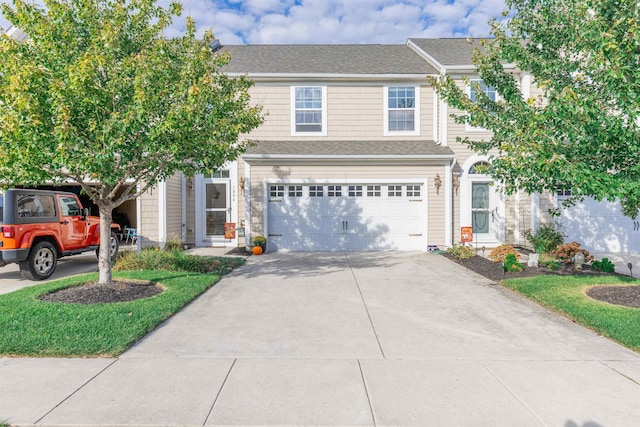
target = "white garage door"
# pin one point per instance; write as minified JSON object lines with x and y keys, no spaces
{"x":353,"y":217}
{"x":600,"y":227}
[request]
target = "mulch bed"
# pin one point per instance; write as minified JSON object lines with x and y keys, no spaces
{"x":628,"y":296}
{"x":96,"y":293}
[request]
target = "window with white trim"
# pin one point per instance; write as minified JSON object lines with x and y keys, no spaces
{"x":401,"y":110}
{"x":395,"y":191}
{"x":374,"y":191}
{"x":355,"y":191}
{"x":309,"y":111}
{"x":316,"y":191}
{"x":334,"y":190}
{"x":413,"y":191}
{"x":489,"y":91}
{"x":295,"y":191}
{"x":276,"y":191}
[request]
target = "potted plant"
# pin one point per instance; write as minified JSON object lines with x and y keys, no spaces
{"x":260,"y":241}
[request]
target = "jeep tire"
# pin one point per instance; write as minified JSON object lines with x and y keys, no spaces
{"x":41,"y":263}
{"x":114,"y":246}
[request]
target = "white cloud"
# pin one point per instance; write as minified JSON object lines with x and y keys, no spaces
{"x":335,"y":21}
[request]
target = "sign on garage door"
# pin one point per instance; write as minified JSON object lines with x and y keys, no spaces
{"x":353,"y":217}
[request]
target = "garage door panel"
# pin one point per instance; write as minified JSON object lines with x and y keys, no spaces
{"x":600,"y":227}
{"x":347,"y":217}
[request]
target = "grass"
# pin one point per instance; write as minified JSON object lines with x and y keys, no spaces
{"x":567,"y":295}
{"x":31,"y":327}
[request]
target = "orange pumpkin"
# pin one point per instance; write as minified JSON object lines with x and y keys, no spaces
{"x":257,"y":250}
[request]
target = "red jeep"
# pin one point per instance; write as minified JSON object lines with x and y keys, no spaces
{"x":38,"y":227}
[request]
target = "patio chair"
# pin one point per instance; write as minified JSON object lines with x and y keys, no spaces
{"x":130,"y":234}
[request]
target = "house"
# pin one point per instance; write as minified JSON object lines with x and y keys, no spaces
{"x":357,"y":152}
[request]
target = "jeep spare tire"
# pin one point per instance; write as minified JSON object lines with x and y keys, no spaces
{"x":41,"y":263}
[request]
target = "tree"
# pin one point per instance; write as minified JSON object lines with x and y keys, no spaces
{"x":582,"y":131}
{"x":99,"y":97}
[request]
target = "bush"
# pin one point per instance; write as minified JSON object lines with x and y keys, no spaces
{"x":605,"y":266}
{"x":499,"y":253}
{"x":565,"y":253}
{"x":173,"y":242}
{"x":176,"y":260}
{"x":546,"y":238}
{"x":512,"y":264}
{"x":461,"y":251}
{"x":548,"y":261}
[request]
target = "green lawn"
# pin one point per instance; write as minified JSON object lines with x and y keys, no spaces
{"x":31,"y":327}
{"x":567,"y":295}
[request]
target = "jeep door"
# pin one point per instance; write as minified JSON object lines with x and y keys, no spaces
{"x":73,"y":226}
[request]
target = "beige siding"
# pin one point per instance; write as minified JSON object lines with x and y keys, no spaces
{"x":191,"y":211}
{"x":547,"y":203}
{"x":435,"y":202}
{"x":354,"y":112}
{"x":148,"y":221}
{"x":174,"y":207}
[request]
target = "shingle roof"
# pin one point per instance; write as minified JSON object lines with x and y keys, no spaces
{"x":326,"y":59}
{"x":454,"y":51}
{"x":349,"y":148}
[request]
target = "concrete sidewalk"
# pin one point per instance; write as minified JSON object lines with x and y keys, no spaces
{"x":374,"y":339}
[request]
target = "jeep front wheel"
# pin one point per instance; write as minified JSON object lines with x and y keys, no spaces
{"x":41,"y":263}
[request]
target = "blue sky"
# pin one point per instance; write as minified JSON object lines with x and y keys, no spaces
{"x":335,"y":21}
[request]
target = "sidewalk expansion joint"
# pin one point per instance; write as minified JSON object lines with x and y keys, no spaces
{"x":75,"y":391}
{"x":366,"y":391}
{"x":219,"y":392}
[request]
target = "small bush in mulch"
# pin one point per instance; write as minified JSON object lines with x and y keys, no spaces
{"x":494,"y":271}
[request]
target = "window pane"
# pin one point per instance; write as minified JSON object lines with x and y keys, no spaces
{"x":480,"y":222}
{"x":216,"y":196}
{"x":480,"y":196}
{"x":401,"y":120}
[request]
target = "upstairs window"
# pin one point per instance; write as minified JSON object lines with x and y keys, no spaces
{"x":309,"y":110}
{"x":401,"y":110}
{"x":489,"y":91}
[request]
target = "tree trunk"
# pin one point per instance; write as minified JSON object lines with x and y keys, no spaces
{"x":104,"y":258}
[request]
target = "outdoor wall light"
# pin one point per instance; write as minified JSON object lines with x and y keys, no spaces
{"x":189,"y":185}
{"x":456,"y":182}
{"x":242,"y":185}
{"x":437,"y":183}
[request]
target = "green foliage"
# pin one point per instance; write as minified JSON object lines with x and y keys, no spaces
{"x":579,"y":125}
{"x":498,"y":254}
{"x":545,"y":238}
{"x":605,"y":266}
{"x":175,"y":260}
{"x":566,"y":295}
{"x":173,"y":242}
{"x":259,"y":240}
{"x":565,"y":253}
{"x":549,"y":262}
{"x":461,"y":251}
{"x":512,"y":264}
{"x":99,"y":94}
{"x":31,"y":327}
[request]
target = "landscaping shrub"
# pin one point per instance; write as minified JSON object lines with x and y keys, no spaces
{"x":173,"y":242}
{"x":499,"y":253}
{"x":512,"y":264}
{"x":605,"y":266}
{"x":176,"y":260}
{"x":461,"y":251}
{"x":545,"y":238}
{"x":549,"y":262}
{"x":565,"y":253}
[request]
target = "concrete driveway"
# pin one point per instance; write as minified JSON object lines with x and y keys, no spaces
{"x":11,"y":280}
{"x":376,"y":339}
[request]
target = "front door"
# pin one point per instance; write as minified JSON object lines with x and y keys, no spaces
{"x":483,"y":211}
{"x":217,"y":209}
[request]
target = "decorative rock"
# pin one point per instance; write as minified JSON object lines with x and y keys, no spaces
{"x":534,"y":259}
{"x":578,"y":260}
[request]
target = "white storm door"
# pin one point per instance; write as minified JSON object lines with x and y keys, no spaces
{"x":217,"y":208}
{"x":483,"y":211}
